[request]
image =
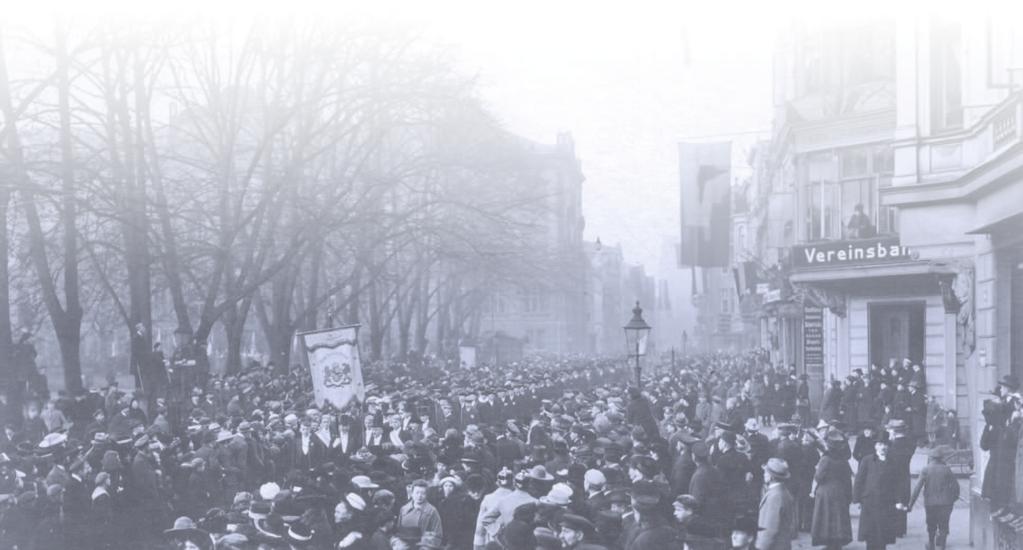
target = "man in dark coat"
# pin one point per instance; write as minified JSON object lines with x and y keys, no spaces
{"x":706,"y":486}
{"x":735,"y":474}
{"x":917,"y":414}
{"x":879,"y":504}
{"x":650,"y":529}
{"x":901,"y":449}
{"x":639,"y":412}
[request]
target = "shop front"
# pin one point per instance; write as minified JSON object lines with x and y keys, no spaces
{"x":871,"y":302}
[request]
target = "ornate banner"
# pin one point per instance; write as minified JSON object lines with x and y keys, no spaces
{"x":332,"y":356}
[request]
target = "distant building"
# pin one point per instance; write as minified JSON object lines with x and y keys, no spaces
{"x":549,"y":312}
{"x":605,"y":316}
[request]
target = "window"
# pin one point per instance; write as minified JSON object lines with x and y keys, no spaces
{"x":830,"y":199}
{"x":821,"y":219}
{"x":535,"y":300}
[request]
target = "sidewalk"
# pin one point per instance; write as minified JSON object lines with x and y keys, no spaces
{"x":916,"y":535}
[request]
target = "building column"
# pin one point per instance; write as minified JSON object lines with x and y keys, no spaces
{"x":949,"y":399}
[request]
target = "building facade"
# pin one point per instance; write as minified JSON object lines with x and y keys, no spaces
{"x":958,"y":188}
{"x":886,"y":211}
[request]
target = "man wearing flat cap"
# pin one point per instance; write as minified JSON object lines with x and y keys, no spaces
{"x":648,"y":528}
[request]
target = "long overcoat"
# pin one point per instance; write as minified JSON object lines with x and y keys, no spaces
{"x":874,"y":491}
{"x":831,"y":524}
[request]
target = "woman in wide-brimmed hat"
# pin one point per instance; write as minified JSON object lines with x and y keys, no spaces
{"x":831,"y":526}
{"x":187,"y":535}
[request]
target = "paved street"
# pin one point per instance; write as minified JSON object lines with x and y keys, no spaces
{"x":916,"y":538}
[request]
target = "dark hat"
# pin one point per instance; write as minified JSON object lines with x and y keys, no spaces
{"x":725,"y":426}
{"x":546,"y":539}
{"x":1010,"y":381}
{"x":539,"y":472}
{"x":645,"y":464}
{"x":700,"y":449}
{"x":645,"y":494}
{"x":687,"y":501}
{"x":618,"y":496}
{"x":746,"y":524}
{"x":517,"y":534}
{"x":577,"y":523}
{"x":271,"y":527}
{"x":728,"y":437}
{"x":259,"y":509}
{"x":299,"y":532}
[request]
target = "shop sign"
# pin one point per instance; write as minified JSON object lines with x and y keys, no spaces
{"x":847,"y":253}
{"x":813,"y":338}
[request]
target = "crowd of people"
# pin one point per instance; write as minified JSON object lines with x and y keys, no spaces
{"x":544,"y":453}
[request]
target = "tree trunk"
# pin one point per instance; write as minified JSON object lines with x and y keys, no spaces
{"x":8,"y":377}
{"x":135,"y":222}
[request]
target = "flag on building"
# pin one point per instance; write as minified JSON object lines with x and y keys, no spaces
{"x":332,"y":356}
{"x":705,"y":179}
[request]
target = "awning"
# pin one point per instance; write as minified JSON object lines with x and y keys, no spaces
{"x":902,"y":270}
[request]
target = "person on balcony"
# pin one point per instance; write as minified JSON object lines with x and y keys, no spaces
{"x":860,"y":226}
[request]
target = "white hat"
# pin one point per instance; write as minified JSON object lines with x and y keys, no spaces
{"x":268,"y":491}
{"x":594,"y":478}
{"x":559,"y":495}
{"x":364,"y":482}
{"x":355,"y":501}
{"x":53,"y":440}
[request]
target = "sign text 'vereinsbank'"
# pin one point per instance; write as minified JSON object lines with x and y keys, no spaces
{"x":856,"y":252}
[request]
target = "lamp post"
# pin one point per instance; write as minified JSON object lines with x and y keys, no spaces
{"x":636,"y":333}
{"x":685,"y":341}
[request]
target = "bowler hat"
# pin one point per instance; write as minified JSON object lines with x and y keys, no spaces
{"x":577,"y":523}
{"x":645,"y":493}
{"x":539,"y":472}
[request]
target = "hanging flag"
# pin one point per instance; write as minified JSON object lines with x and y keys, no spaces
{"x":705,"y":181}
{"x":332,"y":356}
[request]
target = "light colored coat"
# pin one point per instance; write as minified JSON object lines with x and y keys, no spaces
{"x":777,"y":519}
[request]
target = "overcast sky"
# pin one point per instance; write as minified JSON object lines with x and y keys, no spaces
{"x":619,"y":81}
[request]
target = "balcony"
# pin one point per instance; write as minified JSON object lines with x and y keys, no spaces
{"x":954,"y":165}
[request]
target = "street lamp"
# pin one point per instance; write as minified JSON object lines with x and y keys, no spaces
{"x":685,"y":342}
{"x":636,"y":333}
